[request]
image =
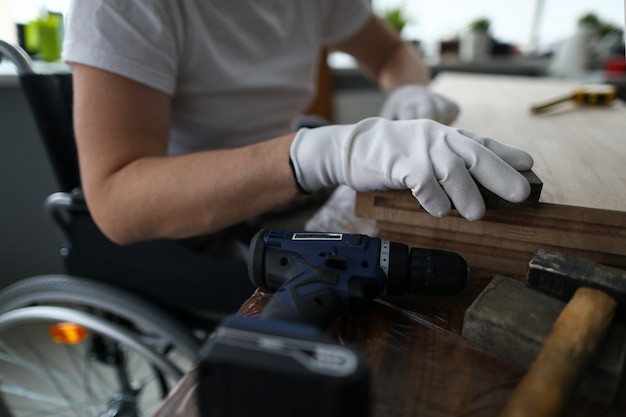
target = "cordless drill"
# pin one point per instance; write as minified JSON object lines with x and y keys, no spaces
{"x":318,"y":275}
{"x":282,"y":363}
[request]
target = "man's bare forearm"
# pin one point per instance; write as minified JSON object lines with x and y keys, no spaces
{"x":384,"y":57}
{"x":188,"y":195}
{"x":403,"y":65}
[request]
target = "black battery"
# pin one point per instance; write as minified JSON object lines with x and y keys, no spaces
{"x":258,"y":367}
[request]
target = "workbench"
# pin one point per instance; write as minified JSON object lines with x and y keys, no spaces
{"x":420,"y":364}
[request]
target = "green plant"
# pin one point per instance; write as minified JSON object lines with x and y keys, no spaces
{"x":604,"y":27}
{"x":395,"y":18}
{"x":589,"y":19}
{"x":607,"y":28}
{"x":481,"y":24}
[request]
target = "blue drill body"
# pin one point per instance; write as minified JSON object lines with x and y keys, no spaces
{"x":317,"y":276}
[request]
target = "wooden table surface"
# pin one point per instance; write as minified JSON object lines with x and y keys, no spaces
{"x":579,"y":151}
{"x":420,"y":364}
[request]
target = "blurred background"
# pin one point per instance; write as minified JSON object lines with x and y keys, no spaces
{"x":536,"y":28}
{"x":532,"y":26}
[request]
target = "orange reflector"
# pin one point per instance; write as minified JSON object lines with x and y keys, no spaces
{"x":68,"y":333}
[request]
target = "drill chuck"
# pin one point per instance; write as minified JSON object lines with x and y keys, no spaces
{"x":422,"y":271}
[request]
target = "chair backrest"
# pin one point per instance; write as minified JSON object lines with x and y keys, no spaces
{"x":50,"y":99}
{"x":49,"y":96}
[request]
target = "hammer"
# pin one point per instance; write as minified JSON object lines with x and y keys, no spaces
{"x":594,"y":291}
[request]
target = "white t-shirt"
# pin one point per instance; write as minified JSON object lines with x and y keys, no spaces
{"x":238,"y":71}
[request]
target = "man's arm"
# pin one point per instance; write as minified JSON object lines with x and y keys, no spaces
{"x":384,"y":57}
{"x":399,"y":70}
{"x":135,"y":192}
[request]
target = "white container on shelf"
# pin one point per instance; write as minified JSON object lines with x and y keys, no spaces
{"x":573,"y":56}
{"x":475,"y":46}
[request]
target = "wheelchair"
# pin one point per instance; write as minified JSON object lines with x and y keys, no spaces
{"x":114,"y":333}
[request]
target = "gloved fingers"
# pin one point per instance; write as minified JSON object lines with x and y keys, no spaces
{"x":434,"y":108}
{"x":406,"y":112}
{"x":432,"y":197}
{"x":515,"y":157}
{"x":447,"y":111}
{"x":397,"y":99}
{"x":440,"y":180}
{"x":456,"y":181}
{"x":388,"y":111}
{"x":465,"y":196}
{"x":489,"y":169}
{"x":504,"y":181}
{"x":437,"y":108}
{"x":463,"y":191}
{"x":458,"y":188}
{"x":417,"y":110}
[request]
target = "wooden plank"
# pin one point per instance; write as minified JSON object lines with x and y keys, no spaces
{"x":369,"y":204}
{"x":502,"y":261}
{"x":543,"y":225}
{"x":504,"y":241}
{"x":488,"y":252}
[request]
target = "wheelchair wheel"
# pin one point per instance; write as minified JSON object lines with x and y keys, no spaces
{"x":69,"y":346}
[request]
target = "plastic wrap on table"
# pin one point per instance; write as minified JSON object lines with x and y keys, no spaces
{"x":419,"y":363}
{"x":337,"y":215}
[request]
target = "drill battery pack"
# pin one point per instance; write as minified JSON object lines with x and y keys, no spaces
{"x":261,"y":367}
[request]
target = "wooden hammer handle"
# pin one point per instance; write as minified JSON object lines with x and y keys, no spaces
{"x":552,"y":377}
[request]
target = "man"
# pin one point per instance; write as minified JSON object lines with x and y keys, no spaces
{"x":183,"y":113}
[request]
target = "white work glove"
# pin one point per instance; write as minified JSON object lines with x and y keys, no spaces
{"x":417,"y":102}
{"x":436,"y":162}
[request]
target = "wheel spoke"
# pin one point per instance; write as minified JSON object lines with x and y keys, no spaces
{"x":76,"y":383}
{"x":13,"y":357}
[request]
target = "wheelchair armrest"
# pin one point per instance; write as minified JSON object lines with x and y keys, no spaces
{"x":60,"y":205}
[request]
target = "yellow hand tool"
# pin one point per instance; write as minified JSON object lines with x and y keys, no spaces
{"x":592,"y":94}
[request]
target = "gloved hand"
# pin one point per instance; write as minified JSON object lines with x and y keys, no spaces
{"x":417,"y":102}
{"x":436,"y":162}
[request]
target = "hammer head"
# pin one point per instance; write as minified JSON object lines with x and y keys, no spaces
{"x":512,"y":320}
{"x":560,"y":275}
